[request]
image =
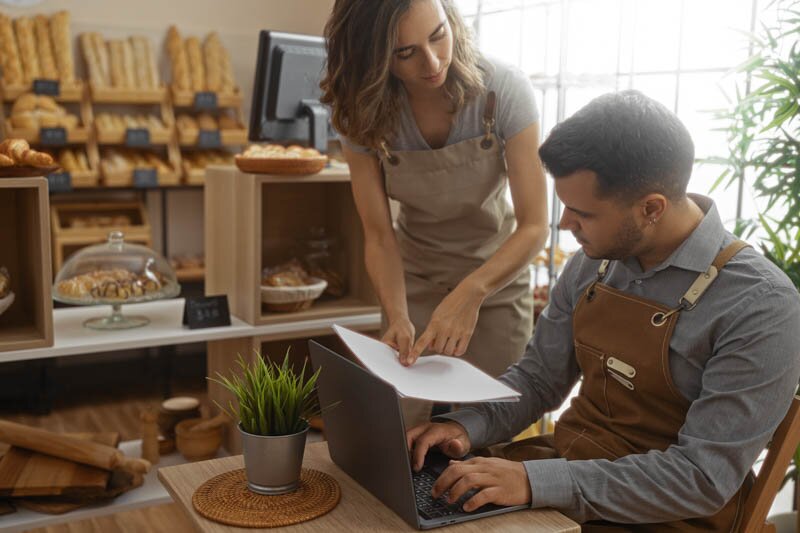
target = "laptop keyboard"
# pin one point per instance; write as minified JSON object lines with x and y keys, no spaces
{"x":438,"y":508}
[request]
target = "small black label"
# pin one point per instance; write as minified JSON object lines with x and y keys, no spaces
{"x":145,"y":178}
{"x":209,"y":139}
{"x":206,"y":312}
{"x":137,"y":137}
{"x":205,"y":100}
{"x":59,"y":182}
{"x":47,"y":87}
{"x":53,"y":136}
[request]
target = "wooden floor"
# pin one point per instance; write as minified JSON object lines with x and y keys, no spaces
{"x":112,"y":412}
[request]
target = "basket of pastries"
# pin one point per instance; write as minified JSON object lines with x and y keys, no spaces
{"x":288,"y":287}
{"x":18,"y":160}
{"x":6,"y":296}
{"x":277,"y":159}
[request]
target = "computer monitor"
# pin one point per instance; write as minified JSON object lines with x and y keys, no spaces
{"x":286,"y":89}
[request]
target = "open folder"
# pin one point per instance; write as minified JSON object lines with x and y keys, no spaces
{"x":438,"y":378}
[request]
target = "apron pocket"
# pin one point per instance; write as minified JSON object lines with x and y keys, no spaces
{"x":592,"y":363}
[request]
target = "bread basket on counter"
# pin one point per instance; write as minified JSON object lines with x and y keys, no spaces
{"x":289,"y":299}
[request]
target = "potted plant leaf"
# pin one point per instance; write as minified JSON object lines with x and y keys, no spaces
{"x":274,"y":406}
{"x":763,"y":133}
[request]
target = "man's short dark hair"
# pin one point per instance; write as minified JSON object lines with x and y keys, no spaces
{"x":635,"y":145}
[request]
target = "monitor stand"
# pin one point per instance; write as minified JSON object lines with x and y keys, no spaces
{"x":317,"y":124}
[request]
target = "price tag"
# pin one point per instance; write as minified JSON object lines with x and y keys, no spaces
{"x":209,"y":139}
{"x":59,"y":182}
{"x":53,"y":136}
{"x":47,"y":87}
{"x":137,"y":137}
{"x":145,"y":178}
{"x":206,"y":312}
{"x":205,"y":100}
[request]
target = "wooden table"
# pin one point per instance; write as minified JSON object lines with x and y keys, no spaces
{"x":357,"y":511}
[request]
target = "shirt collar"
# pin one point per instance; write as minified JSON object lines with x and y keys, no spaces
{"x":698,"y":251}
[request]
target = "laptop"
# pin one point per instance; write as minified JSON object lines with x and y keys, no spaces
{"x":367,"y":440}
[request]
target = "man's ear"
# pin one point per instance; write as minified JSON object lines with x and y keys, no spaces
{"x":652,"y":207}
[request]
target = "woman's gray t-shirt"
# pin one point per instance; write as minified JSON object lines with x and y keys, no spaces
{"x":515,"y":110}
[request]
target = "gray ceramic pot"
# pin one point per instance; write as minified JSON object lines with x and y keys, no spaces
{"x":272,"y":464}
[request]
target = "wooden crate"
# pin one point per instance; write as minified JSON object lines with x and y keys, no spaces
{"x":67,"y":240}
{"x":25,"y":251}
{"x":244,"y":211}
{"x":224,"y":100}
{"x":69,"y":92}
{"x":116,"y":95}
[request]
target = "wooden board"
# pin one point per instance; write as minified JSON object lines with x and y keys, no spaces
{"x":27,"y":473}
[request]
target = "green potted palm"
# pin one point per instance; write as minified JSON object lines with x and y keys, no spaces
{"x":763,"y":133}
{"x":275,"y":404}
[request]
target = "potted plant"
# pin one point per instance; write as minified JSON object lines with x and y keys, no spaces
{"x":763,"y":132}
{"x":274,"y":406}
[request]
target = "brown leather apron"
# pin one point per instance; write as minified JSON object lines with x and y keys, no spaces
{"x":453,"y":217}
{"x":628,"y":403}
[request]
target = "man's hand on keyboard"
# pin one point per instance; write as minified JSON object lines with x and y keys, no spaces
{"x":450,"y":437}
{"x":497,"y":481}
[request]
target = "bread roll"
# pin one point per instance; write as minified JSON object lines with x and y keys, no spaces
{"x":196,"y":66}
{"x":68,"y":161}
{"x":207,"y":122}
{"x":48,"y":103}
{"x":129,"y":64}
{"x":62,"y":46}
{"x":25,"y":103}
{"x":27,"y":49}
{"x":25,"y":121}
{"x":181,"y":78}
{"x":47,"y":61}
{"x":228,"y":123}
{"x":83,"y":162}
{"x":12,"y":67}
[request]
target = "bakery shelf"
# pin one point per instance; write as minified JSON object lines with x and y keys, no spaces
{"x":188,"y":138}
{"x":245,"y":211}
{"x":25,"y":252}
{"x":193,"y":176}
{"x":158,"y":136}
{"x":74,"y":135}
{"x":124,"y":178}
{"x":68,"y":92}
{"x":224,"y":100}
{"x":111,"y":95}
{"x":84,"y":179}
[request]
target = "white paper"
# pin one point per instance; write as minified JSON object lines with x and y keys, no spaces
{"x":438,"y":378}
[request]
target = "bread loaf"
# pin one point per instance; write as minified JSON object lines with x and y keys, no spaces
{"x":12,"y":67}
{"x":181,"y":78}
{"x":141,"y":67}
{"x":27,"y":49}
{"x":101,"y":52}
{"x":116,"y":63}
{"x":92,"y":60}
{"x":212,"y":51}
{"x":62,"y":46}
{"x":130,"y":64}
{"x":47,"y":61}
{"x":196,"y":66}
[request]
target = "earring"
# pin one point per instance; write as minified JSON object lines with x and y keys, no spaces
{"x":652,"y":222}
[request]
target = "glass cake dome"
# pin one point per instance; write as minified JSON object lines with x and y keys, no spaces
{"x":115,"y":273}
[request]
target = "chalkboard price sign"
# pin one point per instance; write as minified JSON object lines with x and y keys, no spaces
{"x":206,"y":312}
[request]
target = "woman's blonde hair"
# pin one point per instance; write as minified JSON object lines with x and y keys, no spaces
{"x":363,"y":94}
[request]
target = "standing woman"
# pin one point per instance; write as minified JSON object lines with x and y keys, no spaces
{"x":426,"y":121}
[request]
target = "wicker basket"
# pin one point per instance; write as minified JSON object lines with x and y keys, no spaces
{"x":275,"y":165}
{"x":290,"y":299}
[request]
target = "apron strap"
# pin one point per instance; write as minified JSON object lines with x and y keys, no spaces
{"x":601,"y":273}
{"x":390,"y":157}
{"x":689,"y":300}
{"x":488,"y":120}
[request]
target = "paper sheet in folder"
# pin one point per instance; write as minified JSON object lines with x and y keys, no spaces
{"x":438,"y":378}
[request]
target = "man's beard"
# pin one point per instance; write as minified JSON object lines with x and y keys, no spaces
{"x":629,"y":236}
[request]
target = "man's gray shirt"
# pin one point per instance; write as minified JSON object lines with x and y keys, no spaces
{"x":735,"y":357}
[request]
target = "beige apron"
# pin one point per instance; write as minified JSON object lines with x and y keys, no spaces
{"x":628,"y":403}
{"x":453,"y":217}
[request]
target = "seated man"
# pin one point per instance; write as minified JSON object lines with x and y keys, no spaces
{"x":687,"y":343}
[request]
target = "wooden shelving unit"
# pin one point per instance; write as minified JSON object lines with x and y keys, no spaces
{"x":247,"y":214}
{"x":25,"y":234}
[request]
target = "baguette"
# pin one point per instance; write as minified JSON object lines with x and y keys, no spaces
{"x":92,"y":60}
{"x":141,"y":66}
{"x":129,"y":65}
{"x":228,"y":82}
{"x":212,"y":50}
{"x":116,"y":63}
{"x":47,"y":61}
{"x":181,"y":78}
{"x":196,"y":66}
{"x":12,"y":66}
{"x":27,"y":49}
{"x":101,"y":52}
{"x":152,"y":66}
{"x":62,"y":46}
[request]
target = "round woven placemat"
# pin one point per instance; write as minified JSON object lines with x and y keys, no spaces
{"x":226,"y":499}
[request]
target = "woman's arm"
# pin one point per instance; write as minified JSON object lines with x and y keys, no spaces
{"x":381,"y":253}
{"x":453,"y":321}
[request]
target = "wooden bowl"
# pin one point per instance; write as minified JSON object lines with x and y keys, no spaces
{"x":278,"y":165}
{"x":197,"y":445}
{"x":173,"y":410}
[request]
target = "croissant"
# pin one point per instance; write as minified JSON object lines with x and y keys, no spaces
{"x":14,"y":148}
{"x":36,"y":159}
{"x":6,"y":161}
